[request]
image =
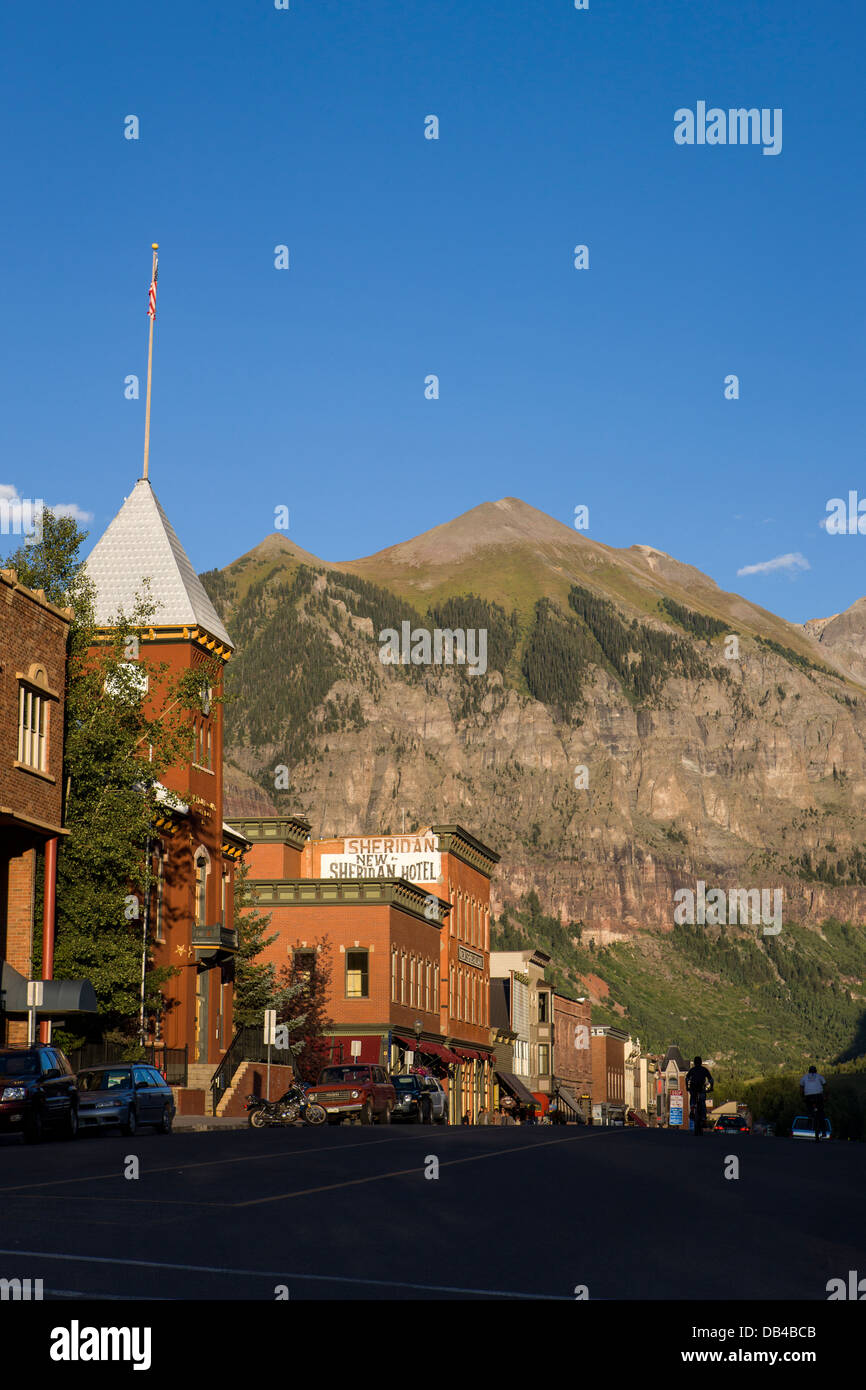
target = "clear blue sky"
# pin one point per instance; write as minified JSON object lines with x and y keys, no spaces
{"x":411,"y":256}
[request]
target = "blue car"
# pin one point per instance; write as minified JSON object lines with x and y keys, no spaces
{"x":804,"y":1128}
{"x":128,"y":1094}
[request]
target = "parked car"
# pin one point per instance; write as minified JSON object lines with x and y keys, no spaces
{"x":413,"y":1101}
{"x":765,"y":1127}
{"x":38,"y":1093}
{"x":127,"y":1094}
{"x":732,"y":1124}
{"x":355,"y":1091}
{"x":438,"y":1099}
{"x":803,"y":1127}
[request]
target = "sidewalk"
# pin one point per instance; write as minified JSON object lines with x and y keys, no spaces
{"x":198,"y":1124}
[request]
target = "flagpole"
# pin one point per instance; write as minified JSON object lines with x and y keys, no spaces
{"x":149,"y":369}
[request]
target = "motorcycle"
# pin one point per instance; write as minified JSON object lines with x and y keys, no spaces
{"x":291,"y":1107}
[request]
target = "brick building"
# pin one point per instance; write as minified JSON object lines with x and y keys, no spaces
{"x":572,"y":1053}
{"x":438,"y":979}
{"x":33,"y":638}
{"x":193,"y":853}
{"x":608,"y":1073}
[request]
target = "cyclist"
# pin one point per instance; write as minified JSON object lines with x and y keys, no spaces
{"x":812,"y":1087}
{"x":698,"y":1082}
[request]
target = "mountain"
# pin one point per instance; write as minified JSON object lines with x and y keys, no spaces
{"x":637,"y":728}
{"x":842,"y":638}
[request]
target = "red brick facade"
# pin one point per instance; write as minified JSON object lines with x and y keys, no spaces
{"x":192,"y":901}
{"x":423,"y":941}
{"x":608,"y":1066}
{"x":33,"y":637}
{"x":572,"y":1052}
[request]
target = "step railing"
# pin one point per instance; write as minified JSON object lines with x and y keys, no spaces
{"x":247,"y":1045}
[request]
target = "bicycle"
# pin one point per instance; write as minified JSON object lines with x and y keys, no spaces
{"x":698,"y":1110}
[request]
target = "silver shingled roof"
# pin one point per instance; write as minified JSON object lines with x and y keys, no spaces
{"x":141,"y":543}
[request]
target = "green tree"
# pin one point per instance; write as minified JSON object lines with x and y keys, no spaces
{"x":256,"y":986}
{"x":306,"y":980}
{"x":119,"y":742}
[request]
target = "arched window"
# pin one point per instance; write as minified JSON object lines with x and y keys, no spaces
{"x":202,"y":869}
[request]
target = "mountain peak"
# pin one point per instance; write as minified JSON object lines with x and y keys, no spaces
{"x":491,"y":524}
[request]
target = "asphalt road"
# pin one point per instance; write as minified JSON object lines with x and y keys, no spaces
{"x":348,"y":1213}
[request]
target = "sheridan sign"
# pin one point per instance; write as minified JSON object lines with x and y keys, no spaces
{"x":415,"y":857}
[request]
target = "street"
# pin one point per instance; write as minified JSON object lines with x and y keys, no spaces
{"x":348,"y":1213}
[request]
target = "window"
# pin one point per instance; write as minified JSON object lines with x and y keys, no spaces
{"x":403,"y":977}
{"x":394,"y":976}
{"x":159,"y":934}
{"x":303,"y":965}
{"x":201,"y":872}
{"x":357,"y":975}
{"x":451,"y":999}
{"x":427,"y":986}
{"x":542,"y":1006}
{"x":32,"y":729}
{"x":543,"y":1058}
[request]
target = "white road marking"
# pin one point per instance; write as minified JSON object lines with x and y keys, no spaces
{"x":280,"y":1276}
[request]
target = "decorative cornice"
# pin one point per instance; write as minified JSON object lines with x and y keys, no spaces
{"x":454,"y":840}
{"x":284,"y":830}
{"x":10,"y":577}
{"x":356,"y":892}
{"x":198,"y":635}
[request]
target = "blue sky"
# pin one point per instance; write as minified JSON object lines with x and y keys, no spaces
{"x":409,"y":256}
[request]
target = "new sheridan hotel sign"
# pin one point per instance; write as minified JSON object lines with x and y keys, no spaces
{"x":415,"y":857}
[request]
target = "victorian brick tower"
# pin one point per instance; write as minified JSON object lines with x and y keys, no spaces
{"x":193,"y":854}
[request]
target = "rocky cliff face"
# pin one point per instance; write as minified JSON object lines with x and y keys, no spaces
{"x":747,"y":772}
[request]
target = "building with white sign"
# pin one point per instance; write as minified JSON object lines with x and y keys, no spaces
{"x":428,"y":995}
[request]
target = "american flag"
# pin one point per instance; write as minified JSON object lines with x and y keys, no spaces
{"x":151,"y":296}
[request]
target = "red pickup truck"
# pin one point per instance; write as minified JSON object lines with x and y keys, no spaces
{"x":355,"y":1091}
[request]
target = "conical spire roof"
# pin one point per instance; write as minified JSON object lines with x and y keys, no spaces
{"x":140,"y":544}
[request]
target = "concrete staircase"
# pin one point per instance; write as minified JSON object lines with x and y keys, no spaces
{"x":232,"y":1089}
{"x":199,"y":1076}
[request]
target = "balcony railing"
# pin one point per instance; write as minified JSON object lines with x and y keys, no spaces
{"x":216,"y":937}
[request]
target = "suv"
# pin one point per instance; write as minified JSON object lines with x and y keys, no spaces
{"x":357,"y":1091}
{"x":414,"y":1101}
{"x":38,"y":1093}
{"x":438,"y":1099}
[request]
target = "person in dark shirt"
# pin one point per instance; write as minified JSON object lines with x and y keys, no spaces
{"x":698,"y":1082}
